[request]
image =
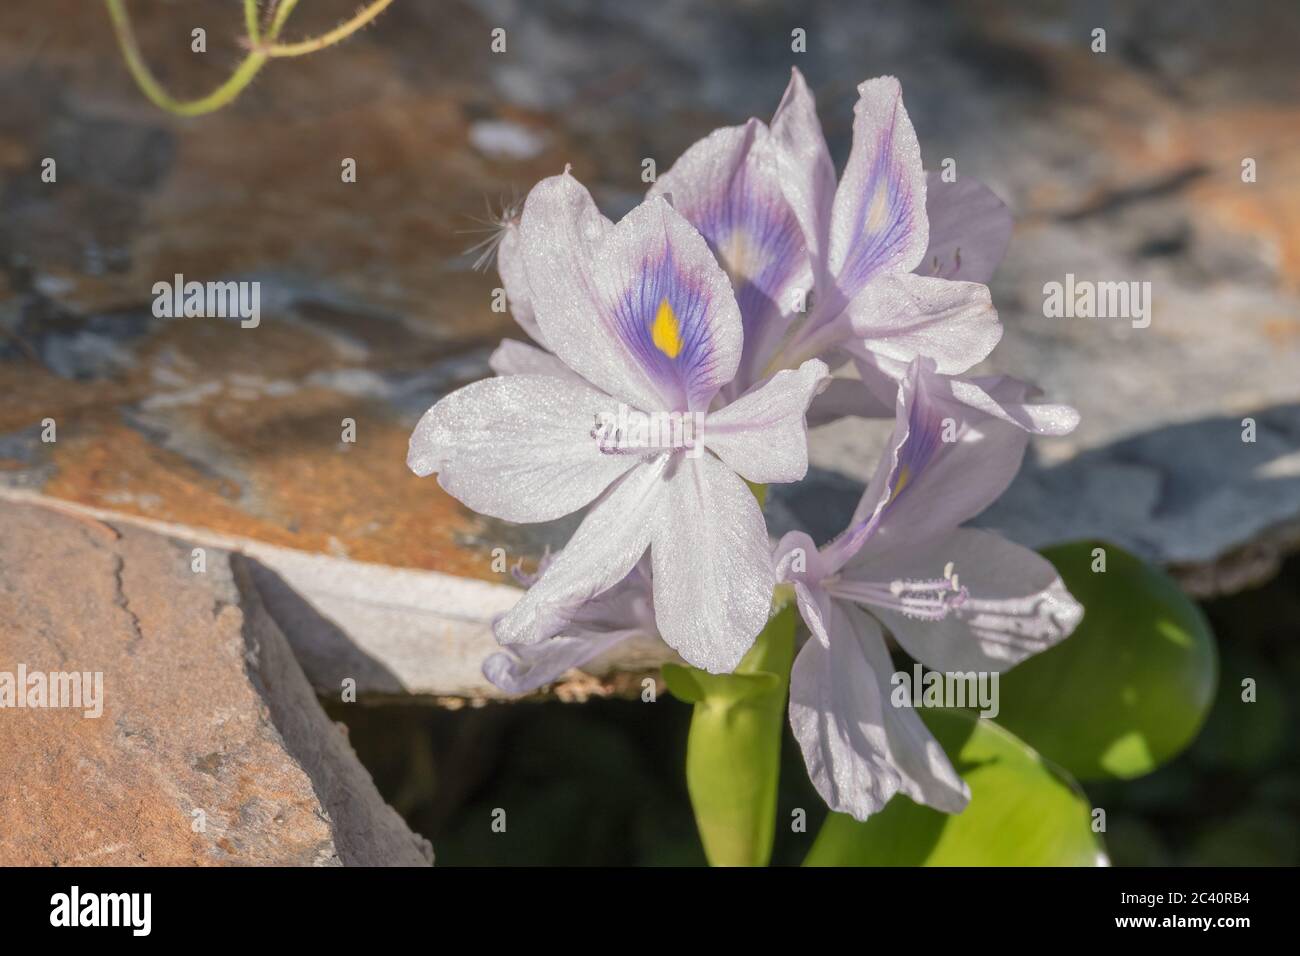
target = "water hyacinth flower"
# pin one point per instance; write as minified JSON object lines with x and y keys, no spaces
{"x":638,"y":316}
{"x":956,"y":599}
{"x":766,"y":199}
{"x":887,"y":264}
{"x":722,"y":298}
{"x":870,"y":233}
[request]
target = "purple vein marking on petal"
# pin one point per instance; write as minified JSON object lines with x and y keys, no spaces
{"x":870,"y":252}
{"x":757,"y":240}
{"x":924,"y":436}
{"x":922,"y":440}
{"x":686,"y":379}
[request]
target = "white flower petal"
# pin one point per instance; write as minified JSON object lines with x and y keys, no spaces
{"x":815,"y":609}
{"x":860,"y":750}
{"x":807,"y":173}
{"x":517,"y":447}
{"x":906,"y":315}
{"x":797,"y":559}
{"x":947,"y":463}
{"x":607,"y":545}
{"x":878,"y":223}
{"x":713,"y":575}
{"x":654,"y":259}
{"x":970,"y":228}
{"x":1007,"y":398}
{"x":728,"y":187}
{"x":526,"y":667}
{"x":762,"y":434}
{"x":510,"y":266}
{"x":513,"y":357}
{"x":641,"y":309}
{"x":560,"y":231}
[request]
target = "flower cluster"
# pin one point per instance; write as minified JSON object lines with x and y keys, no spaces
{"x":724,"y":300}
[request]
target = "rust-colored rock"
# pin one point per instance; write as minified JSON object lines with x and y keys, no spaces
{"x":210,"y":748}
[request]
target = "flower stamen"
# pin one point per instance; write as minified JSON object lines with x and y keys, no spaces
{"x":926,"y":599}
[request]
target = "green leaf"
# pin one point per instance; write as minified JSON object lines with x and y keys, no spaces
{"x":1022,"y":812}
{"x":1131,"y":687}
{"x":734,"y":748}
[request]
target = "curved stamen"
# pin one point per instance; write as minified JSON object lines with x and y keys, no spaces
{"x":930,"y":599}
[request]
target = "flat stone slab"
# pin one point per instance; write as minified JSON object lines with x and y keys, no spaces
{"x":189,"y":735}
{"x":393,"y":633}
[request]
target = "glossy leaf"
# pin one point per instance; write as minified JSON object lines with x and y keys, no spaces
{"x":1130,"y":689}
{"x":1022,"y":812}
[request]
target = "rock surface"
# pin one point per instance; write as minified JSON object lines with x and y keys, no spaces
{"x":209,"y":748}
{"x":397,"y":634}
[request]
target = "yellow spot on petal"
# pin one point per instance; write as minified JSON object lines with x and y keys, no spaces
{"x":904,"y":476}
{"x":665,"y":332}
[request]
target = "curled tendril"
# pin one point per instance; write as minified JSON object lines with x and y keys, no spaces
{"x":262,"y":44}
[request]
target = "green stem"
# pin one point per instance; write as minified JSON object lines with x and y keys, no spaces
{"x":339,"y":33}
{"x":733,"y":752}
{"x":250,"y":20}
{"x":280,"y":10}
{"x":262,"y":47}
{"x":155,"y":91}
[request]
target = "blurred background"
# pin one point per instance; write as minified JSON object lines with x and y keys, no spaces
{"x":1122,"y":165}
